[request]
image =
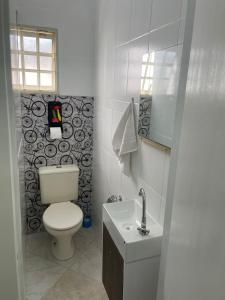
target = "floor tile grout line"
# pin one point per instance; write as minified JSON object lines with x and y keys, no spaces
{"x":46,"y":292}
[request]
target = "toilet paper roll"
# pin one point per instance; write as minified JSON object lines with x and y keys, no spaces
{"x":55,"y":133}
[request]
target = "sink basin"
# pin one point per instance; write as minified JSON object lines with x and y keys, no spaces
{"x":122,"y":220}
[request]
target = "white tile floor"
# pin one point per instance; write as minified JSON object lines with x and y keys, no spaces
{"x":76,"y":279}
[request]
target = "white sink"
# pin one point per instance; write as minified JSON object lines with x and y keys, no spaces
{"x":122,"y":220}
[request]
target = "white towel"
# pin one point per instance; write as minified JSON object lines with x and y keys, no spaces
{"x":125,"y":139}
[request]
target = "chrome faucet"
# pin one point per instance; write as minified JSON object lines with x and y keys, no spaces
{"x":143,"y":230}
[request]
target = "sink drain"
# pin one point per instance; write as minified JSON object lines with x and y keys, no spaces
{"x":127,"y":227}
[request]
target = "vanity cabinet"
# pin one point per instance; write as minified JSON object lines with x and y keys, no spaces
{"x":127,"y":280}
{"x":112,"y":273}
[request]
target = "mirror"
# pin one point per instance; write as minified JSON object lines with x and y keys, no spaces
{"x":158,"y":95}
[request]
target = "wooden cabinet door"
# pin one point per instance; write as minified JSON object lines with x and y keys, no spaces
{"x":112,"y":272}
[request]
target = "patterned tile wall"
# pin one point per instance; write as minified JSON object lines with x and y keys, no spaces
{"x":144,"y":120}
{"x":76,"y":146}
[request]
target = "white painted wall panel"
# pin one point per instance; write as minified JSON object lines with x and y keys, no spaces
{"x":195,"y":266}
{"x":75,"y":22}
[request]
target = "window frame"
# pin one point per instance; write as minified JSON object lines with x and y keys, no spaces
{"x":54,"y":54}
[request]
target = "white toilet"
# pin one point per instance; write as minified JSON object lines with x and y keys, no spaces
{"x":62,"y":219}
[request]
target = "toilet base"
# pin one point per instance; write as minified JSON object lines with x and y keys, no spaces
{"x":62,"y":242}
{"x":63,"y":248}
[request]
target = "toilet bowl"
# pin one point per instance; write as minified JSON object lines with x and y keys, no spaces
{"x":62,"y":221}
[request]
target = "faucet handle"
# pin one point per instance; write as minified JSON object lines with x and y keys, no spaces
{"x":120,"y":198}
{"x":143,"y":231}
{"x":141,"y":192}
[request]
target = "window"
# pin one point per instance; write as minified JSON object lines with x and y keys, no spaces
{"x":33,"y":59}
{"x":147,"y":72}
{"x":161,"y":67}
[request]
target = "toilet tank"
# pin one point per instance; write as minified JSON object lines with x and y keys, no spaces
{"x":58,"y":183}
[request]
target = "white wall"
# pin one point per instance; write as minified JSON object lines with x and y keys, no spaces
{"x":195,"y":265}
{"x":75,"y":21}
{"x":126,"y":30}
{"x":10,"y":250}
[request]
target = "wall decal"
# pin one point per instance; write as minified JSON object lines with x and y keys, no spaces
{"x":76,"y":146}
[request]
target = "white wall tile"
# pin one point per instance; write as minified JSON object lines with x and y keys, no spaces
{"x":184,"y":8}
{"x":181,"y":31}
{"x":153,"y":199}
{"x":164,"y":12}
{"x":164,"y":37}
{"x":129,"y":188}
{"x":140,"y":17}
{"x":115,"y":176}
{"x":120,"y":74}
{"x":100,"y":192}
{"x":110,"y":72}
{"x":103,"y":126}
{"x":149,"y":165}
{"x":136,"y":51}
{"x":164,"y":189}
{"x":122,"y":17}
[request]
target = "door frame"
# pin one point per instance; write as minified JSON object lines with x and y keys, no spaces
{"x":11,"y":277}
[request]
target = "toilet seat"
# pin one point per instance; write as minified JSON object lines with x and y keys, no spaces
{"x":62,"y":216}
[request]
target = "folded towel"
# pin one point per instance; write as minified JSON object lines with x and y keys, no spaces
{"x":125,"y":139}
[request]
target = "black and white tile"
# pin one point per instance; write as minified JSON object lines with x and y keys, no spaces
{"x":76,"y":146}
{"x":144,"y":120}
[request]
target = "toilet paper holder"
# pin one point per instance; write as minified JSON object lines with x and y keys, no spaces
{"x":55,"y":114}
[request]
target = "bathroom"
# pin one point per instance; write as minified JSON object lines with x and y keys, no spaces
{"x":112,"y":152}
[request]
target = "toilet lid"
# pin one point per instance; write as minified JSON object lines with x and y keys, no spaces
{"x":62,"y":216}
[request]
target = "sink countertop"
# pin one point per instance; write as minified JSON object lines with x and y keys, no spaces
{"x":122,"y":220}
